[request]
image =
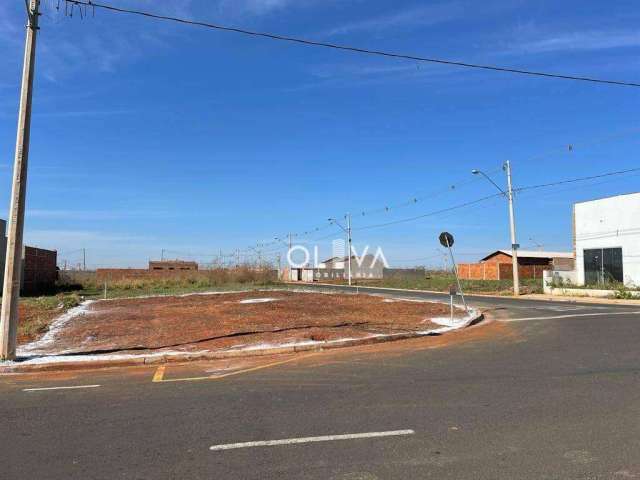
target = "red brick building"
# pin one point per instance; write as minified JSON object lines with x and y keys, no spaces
{"x":498,"y":265}
{"x":39,"y":270}
{"x":39,"y":266}
{"x":168,"y":265}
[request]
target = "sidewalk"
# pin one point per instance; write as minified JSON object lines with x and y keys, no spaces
{"x":574,"y":299}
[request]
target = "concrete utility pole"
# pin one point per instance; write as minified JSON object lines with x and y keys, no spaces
{"x":512,"y":225}
{"x":13,"y":263}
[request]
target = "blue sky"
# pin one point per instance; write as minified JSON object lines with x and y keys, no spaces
{"x":149,"y":135}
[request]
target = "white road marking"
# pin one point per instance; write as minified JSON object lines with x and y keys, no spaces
{"x":58,"y":388}
{"x":598,"y":314}
{"x":325,"y":438}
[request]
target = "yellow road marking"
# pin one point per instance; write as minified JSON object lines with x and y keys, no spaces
{"x":159,"y":375}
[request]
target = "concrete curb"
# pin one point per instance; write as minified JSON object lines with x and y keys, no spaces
{"x":197,"y":356}
{"x":393,"y":289}
{"x":540,"y":297}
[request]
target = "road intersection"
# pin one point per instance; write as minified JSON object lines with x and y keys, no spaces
{"x":539,"y":390}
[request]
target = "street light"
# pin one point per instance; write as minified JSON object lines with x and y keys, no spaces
{"x":347,"y":230}
{"x":512,"y":224}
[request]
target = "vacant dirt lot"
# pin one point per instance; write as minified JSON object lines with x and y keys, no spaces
{"x":234,"y":320}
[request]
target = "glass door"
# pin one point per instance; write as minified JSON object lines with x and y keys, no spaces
{"x":602,"y":266}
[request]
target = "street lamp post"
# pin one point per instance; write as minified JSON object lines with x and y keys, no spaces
{"x":512,"y":223}
{"x":347,"y":230}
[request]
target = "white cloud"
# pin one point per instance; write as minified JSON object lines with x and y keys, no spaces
{"x":581,"y":40}
{"x":258,"y":7}
{"x":414,"y":17}
{"x":357,"y":74}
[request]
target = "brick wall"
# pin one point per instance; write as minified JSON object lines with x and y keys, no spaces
{"x":172,"y":265}
{"x":498,"y":271}
{"x":39,"y":272}
{"x":479,"y":271}
{"x":525,"y":271}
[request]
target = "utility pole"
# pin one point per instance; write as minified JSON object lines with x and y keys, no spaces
{"x":13,"y":263}
{"x":347,"y":231}
{"x":512,"y":225}
{"x":348,"y":215}
{"x":84,"y":259}
{"x":162,"y":255}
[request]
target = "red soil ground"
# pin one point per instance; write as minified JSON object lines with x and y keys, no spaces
{"x":206,"y":322}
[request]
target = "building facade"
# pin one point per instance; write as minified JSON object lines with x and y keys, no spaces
{"x":498,"y":265}
{"x":367,"y":266}
{"x":168,"y":265}
{"x":607,"y":240}
{"x":337,"y":268}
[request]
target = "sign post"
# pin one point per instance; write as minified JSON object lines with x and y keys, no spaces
{"x":446,"y":240}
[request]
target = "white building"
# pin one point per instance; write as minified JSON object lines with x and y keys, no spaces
{"x":607,"y":240}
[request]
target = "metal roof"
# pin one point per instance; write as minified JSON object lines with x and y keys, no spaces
{"x":533,"y":254}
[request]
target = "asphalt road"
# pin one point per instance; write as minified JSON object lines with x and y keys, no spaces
{"x":545,"y":390}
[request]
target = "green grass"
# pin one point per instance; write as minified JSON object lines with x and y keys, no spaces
{"x":205,"y":280}
{"x":37,"y":313}
{"x":162,"y":288}
{"x":440,"y":282}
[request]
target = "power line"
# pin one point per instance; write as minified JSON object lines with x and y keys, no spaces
{"x":430,"y":214}
{"x":573,"y":180}
{"x":573,"y":146}
{"x":418,"y":198}
{"x":482,"y":199}
{"x":335,"y":46}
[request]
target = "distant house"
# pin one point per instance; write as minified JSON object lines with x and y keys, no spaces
{"x":368,"y":266}
{"x":498,"y":265}
{"x":556,"y":260}
{"x":157,"y":269}
{"x":337,"y":268}
{"x":166,"y":265}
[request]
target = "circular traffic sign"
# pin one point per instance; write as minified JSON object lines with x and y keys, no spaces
{"x":446,"y":239}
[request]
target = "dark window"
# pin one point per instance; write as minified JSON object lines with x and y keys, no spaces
{"x":603,"y":265}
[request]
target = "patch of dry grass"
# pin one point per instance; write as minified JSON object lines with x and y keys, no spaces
{"x":37,"y":313}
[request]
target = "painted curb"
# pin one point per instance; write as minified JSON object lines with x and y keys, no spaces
{"x":187,"y":357}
